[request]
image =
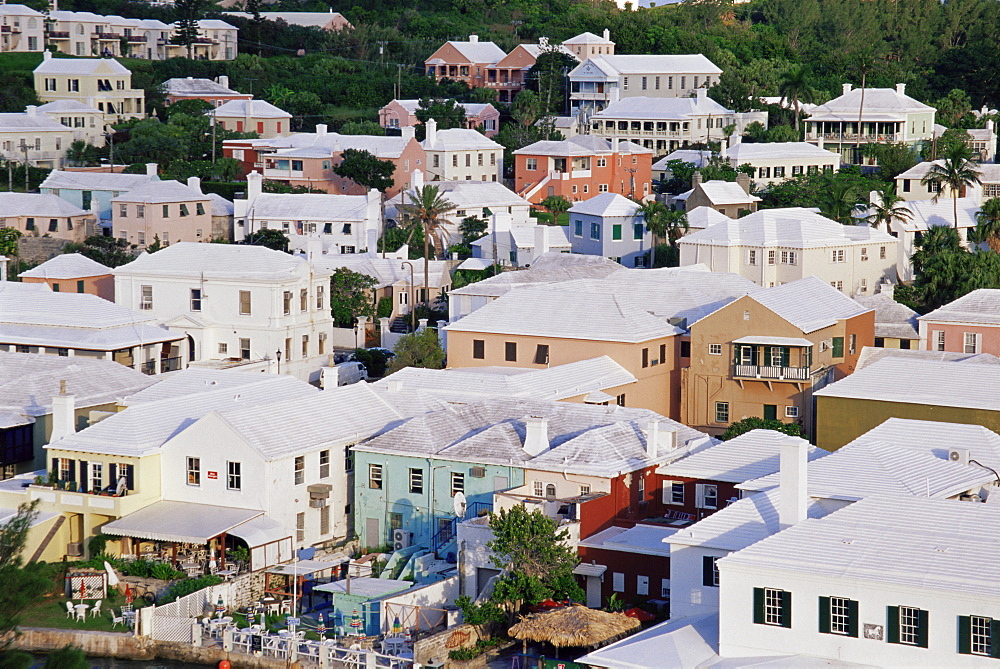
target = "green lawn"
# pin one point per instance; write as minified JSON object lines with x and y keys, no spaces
{"x":546,"y":218}
{"x":13,"y":61}
{"x":51,"y":612}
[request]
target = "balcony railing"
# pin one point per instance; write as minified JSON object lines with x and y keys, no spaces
{"x":855,"y":137}
{"x":136,"y":38}
{"x":771,"y":373}
{"x":59,"y":34}
{"x":170,"y":364}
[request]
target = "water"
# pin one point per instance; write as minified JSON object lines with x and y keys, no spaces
{"x":111,"y":663}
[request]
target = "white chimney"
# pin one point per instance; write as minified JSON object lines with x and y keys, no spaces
{"x":723,"y":147}
{"x":417,"y":180}
{"x":607,"y":35}
{"x":255,"y":185}
{"x":652,"y":439}
{"x":409,"y":132}
{"x":473,"y":39}
{"x":151,"y":169}
{"x":990,"y":125}
{"x":819,"y":140}
{"x":3,"y":268}
{"x":901,"y":89}
{"x":31,"y":109}
{"x":194,"y":183}
{"x":846,"y":89}
{"x":793,"y":488}
{"x":249,"y":109}
{"x":616,"y":94}
{"x":47,"y":55}
{"x":541,"y":240}
{"x":395,"y":385}
{"x":63,"y":414}
{"x":321,"y":129}
{"x":702,"y":94}
{"x":222,"y":80}
{"x":536,"y":435}
{"x":431,"y":128}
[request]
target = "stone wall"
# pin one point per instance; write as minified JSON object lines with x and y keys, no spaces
{"x":434,"y":649}
{"x":37,"y":250}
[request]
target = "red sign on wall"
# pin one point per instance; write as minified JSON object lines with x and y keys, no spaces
{"x":213,"y":475}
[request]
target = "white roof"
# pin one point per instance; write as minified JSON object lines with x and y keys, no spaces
{"x":678,"y":642}
{"x":523,"y":237}
{"x":606,"y":204}
{"x":580,"y":145}
{"x":870,"y":355}
{"x":227,"y":261}
{"x":310,"y":207}
{"x":35,"y":204}
{"x":327,"y":143}
{"x":749,"y":456}
{"x":102,"y":181}
{"x":638,"y":540}
{"x":23,"y":121}
{"x":57,"y":106}
{"x":928,"y":214}
{"x":195,"y":86}
{"x":473,"y":195}
{"x":459,"y":139}
{"x":793,"y":227}
{"x":721,"y":193}
{"x":773,"y":341}
{"x":651,"y":64}
{"x":553,"y":383}
{"x":479,"y":52}
{"x":260,"y":531}
{"x":696,"y":157}
{"x":18,"y":10}
{"x":809,"y":303}
{"x":981,"y":306}
{"x":304,"y":19}
{"x":257,"y":109}
{"x":946,"y":545}
{"x":220,"y":205}
{"x":892,"y":319}
{"x":214,"y":24}
{"x":651,"y":109}
{"x":28,"y":381}
{"x":587,"y":38}
{"x":81,"y":65}
{"x":549,"y":268}
{"x":880,"y":103}
{"x":66,"y":266}
{"x":938,"y":438}
{"x":386,"y":271}
{"x":472,"y":109}
{"x":156,"y":192}
{"x":743,"y":152}
{"x":182,"y":522}
{"x":704,"y":216}
{"x":371,"y":588}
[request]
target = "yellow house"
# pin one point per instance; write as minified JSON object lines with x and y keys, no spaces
{"x":101,"y":82}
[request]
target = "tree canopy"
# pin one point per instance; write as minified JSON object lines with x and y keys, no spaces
{"x":351,"y":296}
{"x":418,"y":349}
{"x":365,"y":169}
{"x":754,"y":423}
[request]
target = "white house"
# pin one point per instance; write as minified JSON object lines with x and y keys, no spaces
{"x":519,"y":244}
{"x":21,"y":29}
{"x":775,"y":246}
{"x":237,"y":305}
{"x":35,"y":138}
{"x":459,"y":154}
{"x":910,"y":186}
{"x":610,"y":225}
{"x":926,"y":214}
{"x":86,"y":120}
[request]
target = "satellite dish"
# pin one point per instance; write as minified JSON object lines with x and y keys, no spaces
{"x":459,"y":504}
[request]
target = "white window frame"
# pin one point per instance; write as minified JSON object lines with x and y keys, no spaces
{"x":416,"y":485}
{"x":715,"y":349}
{"x":909,"y":625}
{"x":939,"y":340}
{"x":791,"y":411}
{"x":980,"y":635}
{"x":617,"y":581}
{"x":193,"y":471}
{"x":673,"y":492}
{"x":457,"y":483}
{"x":840,"y":615}
{"x":538,"y":488}
{"x":375,"y":475}
{"x":234,"y":475}
{"x":773,"y":611}
{"x":299,"y":470}
{"x":971,"y":342}
{"x":706,"y":496}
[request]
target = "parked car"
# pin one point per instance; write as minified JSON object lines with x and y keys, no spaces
{"x":343,"y":374}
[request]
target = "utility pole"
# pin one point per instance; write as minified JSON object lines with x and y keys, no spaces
{"x":213,"y":137}
{"x":24,"y":147}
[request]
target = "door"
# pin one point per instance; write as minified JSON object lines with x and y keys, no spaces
{"x":483,"y":575}
{"x":373,"y":536}
{"x":770,"y":412}
{"x":500,"y":483}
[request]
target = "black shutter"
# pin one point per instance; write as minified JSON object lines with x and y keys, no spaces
{"x":995,"y":638}
{"x":923,"y":628}
{"x":758,"y":606}
{"x":786,"y":609}
{"x":965,"y":635}
{"x":852,"y":618}
{"x":892,"y":624}
{"x":129,"y":477}
{"x":824,"y":615}
{"x":72,"y":471}
{"x":83,"y":476}
{"x":55,"y":467}
{"x":113,"y":477}
{"x":708,"y":571}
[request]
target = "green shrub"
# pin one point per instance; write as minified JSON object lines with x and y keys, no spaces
{"x":187,"y":586}
{"x":96,"y":544}
{"x":165,"y":572}
{"x":384,"y":309}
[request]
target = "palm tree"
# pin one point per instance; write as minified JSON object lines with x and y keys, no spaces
{"x":662,"y":223}
{"x":988,"y":224}
{"x":888,"y":209}
{"x":427,"y":208}
{"x":78,"y":153}
{"x":556,"y":204}
{"x":956,"y":171}
{"x":839,"y":201}
{"x":794,"y":87}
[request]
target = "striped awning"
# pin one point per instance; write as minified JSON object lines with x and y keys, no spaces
{"x":179,"y":522}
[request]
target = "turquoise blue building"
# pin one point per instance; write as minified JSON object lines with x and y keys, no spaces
{"x":92,"y":191}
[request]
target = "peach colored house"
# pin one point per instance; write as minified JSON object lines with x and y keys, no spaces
{"x":73,"y":273}
{"x":37,"y":215}
{"x":970,"y":324}
{"x":763,"y":354}
{"x":256,"y":116}
{"x":403,"y":114}
{"x":464,"y":61}
{"x":216,"y":93}
{"x":167,"y":210}
{"x":582,"y":167}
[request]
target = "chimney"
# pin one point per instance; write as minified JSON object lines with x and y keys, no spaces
{"x":990,"y":125}
{"x":222,"y":80}
{"x":151,"y":169}
{"x":194,"y":183}
{"x":321,"y":129}
{"x":607,"y":35}
{"x":395,"y":385}
{"x":696,"y":178}
{"x":409,"y":132}
{"x":431,"y":128}
{"x":47,"y":55}
{"x":886,"y":288}
{"x":744,"y":182}
{"x":616,"y":94}
{"x":536,"y":435}
{"x":723,"y":147}
{"x":31,"y":109}
{"x":541,"y":240}
{"x":901,"y":89}
{"x":3,"y":268}
{"x":702,"y":94}
{"x":847,"y":89}
{"x":819,"y":140}
{"x":63,"y":414}
{"x":652,"y":439}
{"x":473,"y":39}
{"x":793,"y":483}
{"x":255,"y":185}
{"x":249,"y":109}
{"x":417,"y":180}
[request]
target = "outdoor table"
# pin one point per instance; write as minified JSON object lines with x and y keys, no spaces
{"x":393,"y":645}
{"x":226,"y":573}
{"x":81,"y":611}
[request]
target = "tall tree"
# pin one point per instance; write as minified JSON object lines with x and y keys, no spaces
{"x":427,"y":209}
{"x":351,"y":296}
{"x":840,"y":201}
{"x":22,"y":584}
{"x":556,"y":204}
{"x":987,"y":228}
{"x":186,"y":28}
{"x":364,"y":169}
{"x":663,"y":223}
{"x":888,"y":209}
{"x":417,"y":349}
{"x":794,"y":87}
{"x":956,"y":171}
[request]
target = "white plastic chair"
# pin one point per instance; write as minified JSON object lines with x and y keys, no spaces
{"x":117,"y":620}
{"x":96,"y":611}
{"x":70,"y":611}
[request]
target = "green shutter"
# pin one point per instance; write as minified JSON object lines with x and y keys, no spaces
{"x":785,"y":356}
{"x":708,"y":571}
{"x":995,"y":638}
{"x":758,"y":606}
{"x":852,"y":618}
{"x":923,"y":628}
{"x":838,"y":347}
{"x":892,"y":624}
{"x":965,"y":635}
{"x":616,"y":232}
{"x":786,"y":609}
{"x":824,"y":615}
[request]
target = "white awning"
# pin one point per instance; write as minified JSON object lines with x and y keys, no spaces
{"x":587,"y":569}
{"x":179,"y":522}
{"x":260,"y":531}
{"x":476,"y":263}
{"x":307,"y":567}
{"x":774,"y":341}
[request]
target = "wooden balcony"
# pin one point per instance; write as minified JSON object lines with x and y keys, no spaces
{"x":771,"y":373}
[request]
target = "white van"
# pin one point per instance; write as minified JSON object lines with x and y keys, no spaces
{"x":343,"y":374}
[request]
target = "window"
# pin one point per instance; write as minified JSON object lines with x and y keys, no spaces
{"x":971,"y":340}
{"x":772,"y":607}
{"x":304,"y":299}
{"x":771,"y":257}
{"x":300,"y":469}
{"x":706,"y":496}
{"x":602,"y":162}
{"x":145,"y":298}
{"x":673,"y":492}
{"x":642,"y":582}
{"x":602,"y":188}
{"x":245,"y":348}
{"x":320,"y":298}
{"x":839,"y":285}
{"x":123,"y":210}
{"x":244,"y":303}
{"x":223,"y":348}
{"x":416,"y":481}
{"x":838,"y":347}
{"x":715,"y":349}
{"x":194,"y":471}
{"x":305,"y":346}
{"x":375,"y":477}
{"x":184,"y":209}
{"x":853,"y":341}
{"x":644,"y":82}
{"x":395,"y":521}
{"x":538,"y":489}
{"x":584,"y":489}
{"x":938,"y":340}
{"x":324,"y":520}
{"x":620,"y":400}
{"x":195,"y":299}
{"x":287,"y":302}
{"x":722,"y":412}
{"x":975,"y":636}
{"x":478,"y":349}
{"x":838,"y":255}
{"x":907,"y":625}
{"x":550,"y":491}
{"x":864,"y":254}
{"x":457,"y":483}
{"x":595,"y":230}
{"x":300,"y":527}
{"x":96,"y":476}
{"x":234,"y":476}
{"x":788,"y":257}
{"x":710,"y":571}
{"x":542,"y":354}
{"x":838,"y":615}
{"x":791,"y":412}
{"x":645,"y":357}
{"x":324,"y":464}
{"x":510,"y":351}
{"x":752,"y":257}
{"x":637,"y":231}
{"x":141,"y":237}
{"x":779,"y":172}
{"x":166,"y":211}
{"x":881,"y":252}
{"x":618,"y":581}
{"x":616,"y":232}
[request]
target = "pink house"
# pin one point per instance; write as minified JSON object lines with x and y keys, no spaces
{"x":73,"y":273}
{"x":256,"y":116}
{"x":970,"y":324}
{"x":168,"y":210}
{"x":403,"y":114}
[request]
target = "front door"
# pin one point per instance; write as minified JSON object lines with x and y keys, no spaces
{"x":373,"y":536}
{"x":770,"y":412}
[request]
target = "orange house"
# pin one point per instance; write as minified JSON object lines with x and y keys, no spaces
{"x":464,"y":61}
{"x":581,"y":167}
{"x":73,"y":273}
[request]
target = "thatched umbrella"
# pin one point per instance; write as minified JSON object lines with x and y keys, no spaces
{"x":574,"y":626}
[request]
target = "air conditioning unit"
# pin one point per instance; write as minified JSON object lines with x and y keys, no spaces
{"x":959,"y":455}
{"x":401,"y":539}
{"x":74,"y":549}
{"x":478,"y":472}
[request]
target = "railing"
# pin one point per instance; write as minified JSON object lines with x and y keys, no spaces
{"x":170,"y":364}
{"x":59,"y":34}
{"x":771,"y":372}
{"x":108,"y":36}
{"x":136,"y":38}
{"x":445,"y":535}
{"x":855,"y":137}
{"x":148,"y":367}
{"x":588,"y":95}
{"x":642,"y":133}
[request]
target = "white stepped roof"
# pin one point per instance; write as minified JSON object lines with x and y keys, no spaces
{"x":744,"y":152}
{"x":550,"y":268}
{"x":809,"y":304}
{"x":459,"y":139}
{"x":928,"y":214}
{"x":792,"y":227}
{"x":156,"y":192}
{"x":661,"y":109}
{"x":587,"y":38}
{"x":25,"y":122}
{"x":67,"y":266}
{"x":748,"y":456}
{"x":870,"y":355}
{"x":981,"y":306}
{"x":880,"y":104}
{"x":18,"y":10}
{"x":57,"y":106}
{"x":938,"y":438}
{"x":721,"y":193}
{"x":892,"y":319}
{"x":81,"y":65}
{"x":227,"y":261}
{"x":35,"y":204}
{"x":606,"y":204}
{"x":386,"y":271}
{"x":195,"y":86}
{"x":248,"y":109}
{"x":103,"y":181}
{"x":653,"y":64}
{"x":310,"y":207}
